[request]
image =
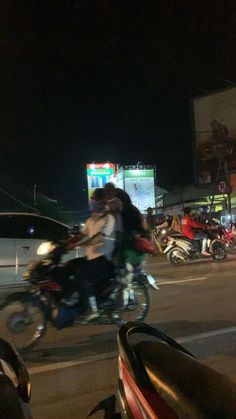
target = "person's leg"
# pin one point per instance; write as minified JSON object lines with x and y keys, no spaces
{"x":204,"y":245}
{"x":203,"y":237}
{"x":69,"y":276}
{"x":97,"y":270}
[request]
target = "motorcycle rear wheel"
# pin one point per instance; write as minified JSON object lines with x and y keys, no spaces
{"x":219,"y":252}
{"x":137,"y":307}
{"x":22,"y":321}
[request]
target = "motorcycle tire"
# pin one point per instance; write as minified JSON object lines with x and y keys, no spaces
{"x":172,"y":256}
{"x":22,"y":321}
{"x":136,"y":309}
{"x":219,"y":251}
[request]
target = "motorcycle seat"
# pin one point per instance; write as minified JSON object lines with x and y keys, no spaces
{"x":191,"y":389}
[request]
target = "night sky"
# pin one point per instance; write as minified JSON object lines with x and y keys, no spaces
{"x":89,"y":80}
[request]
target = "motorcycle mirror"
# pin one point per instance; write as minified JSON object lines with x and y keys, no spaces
{"x":75,"y":229}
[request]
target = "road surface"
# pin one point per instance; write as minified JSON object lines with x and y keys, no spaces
{"x":72,"y":369}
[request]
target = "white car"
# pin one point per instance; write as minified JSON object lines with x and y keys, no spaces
{"x":20,"y":236}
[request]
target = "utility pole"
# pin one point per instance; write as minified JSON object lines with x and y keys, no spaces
{"x":228,"y":192}
{"x":35,"y":196}
{"x":222,"y":171}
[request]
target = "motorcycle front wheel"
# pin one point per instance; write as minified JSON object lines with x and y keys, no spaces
{"x":133,"y":302}
{"x":22,"y":321}
{"x":176,"y":256}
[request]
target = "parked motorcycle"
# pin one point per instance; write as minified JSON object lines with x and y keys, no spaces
{"x":14,"y":383}
{"x":24,"y":315}
{"x":159,"y":379}
{"x":180,"y":249}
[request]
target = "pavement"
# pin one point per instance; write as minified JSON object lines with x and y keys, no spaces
{"x":72,"y":369}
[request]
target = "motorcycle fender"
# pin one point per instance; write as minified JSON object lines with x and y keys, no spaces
{"x":21,"y":295}
{"x":211,"y":245}
{"x":186,"y":246}
{"x":168,"y":248}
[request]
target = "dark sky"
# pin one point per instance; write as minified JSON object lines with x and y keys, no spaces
{"x":89,"y":80}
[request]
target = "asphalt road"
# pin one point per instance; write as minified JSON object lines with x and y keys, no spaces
{"x":72,"y":369}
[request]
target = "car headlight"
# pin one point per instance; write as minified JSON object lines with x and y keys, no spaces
{"x":45,"y":248}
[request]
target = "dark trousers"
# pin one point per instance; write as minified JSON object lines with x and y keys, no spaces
{"x":94,"y":277}
{"x":88,"y":276}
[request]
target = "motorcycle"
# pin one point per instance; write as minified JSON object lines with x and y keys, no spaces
{"x":161,"y":379}
{"x":228,"y":238}
{"x":15,"y":384}
{"x":24,"y":315}
{"x":180,"y":249}
{"x":159,"y":237}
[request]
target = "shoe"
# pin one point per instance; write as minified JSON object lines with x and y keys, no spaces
{"x":88,"y":317}
{"x":206,"y":254}
{"x":71,"y":301}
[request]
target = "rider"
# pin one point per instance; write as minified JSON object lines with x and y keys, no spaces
{"x":193,"y":230}
{"x":99,"y":239}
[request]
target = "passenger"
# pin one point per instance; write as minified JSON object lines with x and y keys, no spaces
{"x":133,"y":226}
{"x":115,"y":206}
{"x":175,"y":224}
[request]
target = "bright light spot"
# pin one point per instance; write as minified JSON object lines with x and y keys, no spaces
{"x":45,"y":248}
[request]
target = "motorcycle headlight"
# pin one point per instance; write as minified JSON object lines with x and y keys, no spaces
{"x":163,"y":232}
{"x":45,"y":248}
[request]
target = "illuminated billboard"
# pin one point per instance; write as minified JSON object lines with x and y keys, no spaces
{"x":140,"y":185}
{"x":98,"y":174}
{"x":120,"y":179}
{"x":215,"y":133}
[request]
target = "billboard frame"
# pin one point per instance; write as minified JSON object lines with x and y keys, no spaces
{"x":142,"y":167}
{"x":193,"y":130}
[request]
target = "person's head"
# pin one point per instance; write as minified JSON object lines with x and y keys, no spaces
{"x":150,"y":211}
{"x":98,"y":200}
{"x":188,"y":211}
{"x":110,"y":190}
{"x":123,"y":197}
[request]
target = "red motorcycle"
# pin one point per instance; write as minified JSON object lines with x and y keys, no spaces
{"x":159,"y":379}
{"x":228,"y":238}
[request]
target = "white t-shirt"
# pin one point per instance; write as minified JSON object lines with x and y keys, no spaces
{"x":106,"y":226}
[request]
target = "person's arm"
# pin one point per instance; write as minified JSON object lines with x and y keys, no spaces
{"x":72,"y":241}
{"x":163,"y":225}
{"x":195,"y":224}
{"x":106,"y":230}
{"x":85,"y":241}
{"x":108,"y":226}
